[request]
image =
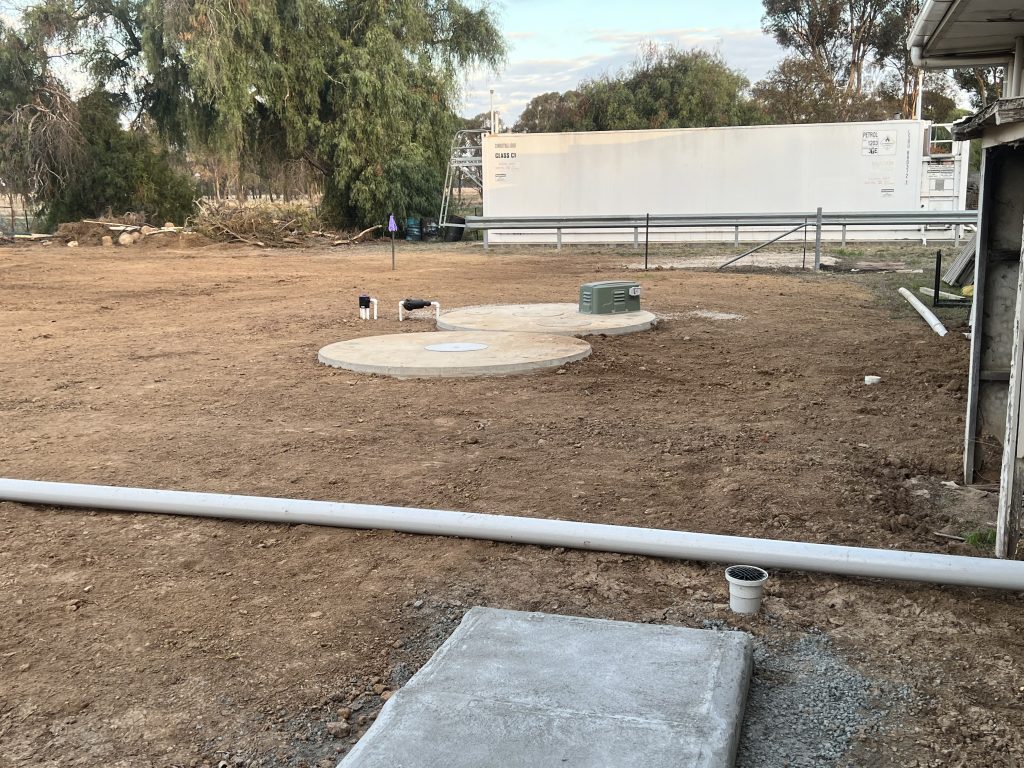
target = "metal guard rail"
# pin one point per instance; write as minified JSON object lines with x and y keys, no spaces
{"x":855,"y":218}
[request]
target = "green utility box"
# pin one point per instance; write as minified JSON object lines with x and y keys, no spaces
{"x":609,"y":297}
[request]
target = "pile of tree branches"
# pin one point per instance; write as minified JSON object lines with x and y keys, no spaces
{"x":258,"y":225}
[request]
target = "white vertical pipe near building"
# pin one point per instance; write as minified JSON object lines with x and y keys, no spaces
{"x":919,"y":106}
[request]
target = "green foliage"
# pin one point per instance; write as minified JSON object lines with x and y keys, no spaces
{"x":815,"y":29}
{"x":39,"y":136}
{"x":831,"y":42}
{"x":119,"y":171}
{"x":663,"y":88}
{"x":982,"y":538}
{"x":364,"y":91}
{"x":984,"y":84}
{"x":800,"y":90}
{"x":22,"y":70}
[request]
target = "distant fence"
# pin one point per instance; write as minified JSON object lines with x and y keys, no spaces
{"x":15,"y":218}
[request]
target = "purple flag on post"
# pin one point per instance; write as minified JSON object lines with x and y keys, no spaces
{"x":392,"y":227}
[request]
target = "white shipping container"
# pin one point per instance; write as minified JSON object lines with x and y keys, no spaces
{"x":849,"y":167}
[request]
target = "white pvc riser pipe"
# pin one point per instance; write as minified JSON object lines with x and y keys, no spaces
{"x":766,"y":553}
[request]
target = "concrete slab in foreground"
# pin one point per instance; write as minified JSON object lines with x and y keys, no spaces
{"x":525,"y":690}
{"x":434,"y":354}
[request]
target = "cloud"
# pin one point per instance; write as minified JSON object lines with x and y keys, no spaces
{"x":748,"y":50}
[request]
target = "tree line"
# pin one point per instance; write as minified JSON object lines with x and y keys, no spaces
{"x":364,"y":94}
{"x":356,"y":102}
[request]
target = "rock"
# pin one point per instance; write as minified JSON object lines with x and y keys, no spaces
{"x":136,"y":236}
{"x":125,"y":238}
{"x":386,"y":695}
{"x":338,"y":729}
{"x":168,"y":225}
{"x":344,"y":713}
{"x":418,"y":604}
{"x":107,"y":241}
{"x":379,"y":688}
{"x":148,"y":230}
{"x":73,"y":244}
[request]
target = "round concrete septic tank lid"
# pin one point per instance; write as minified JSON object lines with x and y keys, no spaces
{"x":562,"y":319}
{"x":455,"y":354}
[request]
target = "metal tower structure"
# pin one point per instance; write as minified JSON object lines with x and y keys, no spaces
{"x":465,"y":168}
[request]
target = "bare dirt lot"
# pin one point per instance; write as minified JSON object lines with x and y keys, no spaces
{"x":135,"y":640}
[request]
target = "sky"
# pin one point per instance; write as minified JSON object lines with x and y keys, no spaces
{"x":553,"y":44}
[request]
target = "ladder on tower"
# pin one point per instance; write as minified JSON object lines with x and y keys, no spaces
{"x":465,"y":164}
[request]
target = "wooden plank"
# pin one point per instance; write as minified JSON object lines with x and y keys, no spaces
{"x":974,"y":371}
{"x":1012,"y":469}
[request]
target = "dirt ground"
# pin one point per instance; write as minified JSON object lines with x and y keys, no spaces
{"x":135,"y":640}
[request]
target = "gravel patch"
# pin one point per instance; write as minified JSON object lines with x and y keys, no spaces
{"x":806,"y":707}
{"x":710,"y":315}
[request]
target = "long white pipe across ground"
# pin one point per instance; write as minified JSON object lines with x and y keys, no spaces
{"x":923,"y":311}
{"x":767,"y":553}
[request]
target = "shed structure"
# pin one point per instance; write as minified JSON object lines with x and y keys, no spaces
{"x":986,"y":33}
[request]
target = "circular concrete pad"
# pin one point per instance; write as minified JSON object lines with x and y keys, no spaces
{"x":563,"y":319}
{"x":432,"y":354}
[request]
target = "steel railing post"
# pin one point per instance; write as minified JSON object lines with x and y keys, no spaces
{"x":647,"y":240}
{"x":817,"y":241}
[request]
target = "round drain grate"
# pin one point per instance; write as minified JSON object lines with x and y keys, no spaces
{"x":746,"y":573}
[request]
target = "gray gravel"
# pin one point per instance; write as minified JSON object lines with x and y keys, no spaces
{"x":806,"y":707}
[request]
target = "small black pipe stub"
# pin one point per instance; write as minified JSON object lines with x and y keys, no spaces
{"x":411,"y":304}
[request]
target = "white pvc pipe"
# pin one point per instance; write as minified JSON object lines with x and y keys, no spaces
{"x":766,"y":553}
{"x":373,"y":303}
{"x":923,"y":311}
